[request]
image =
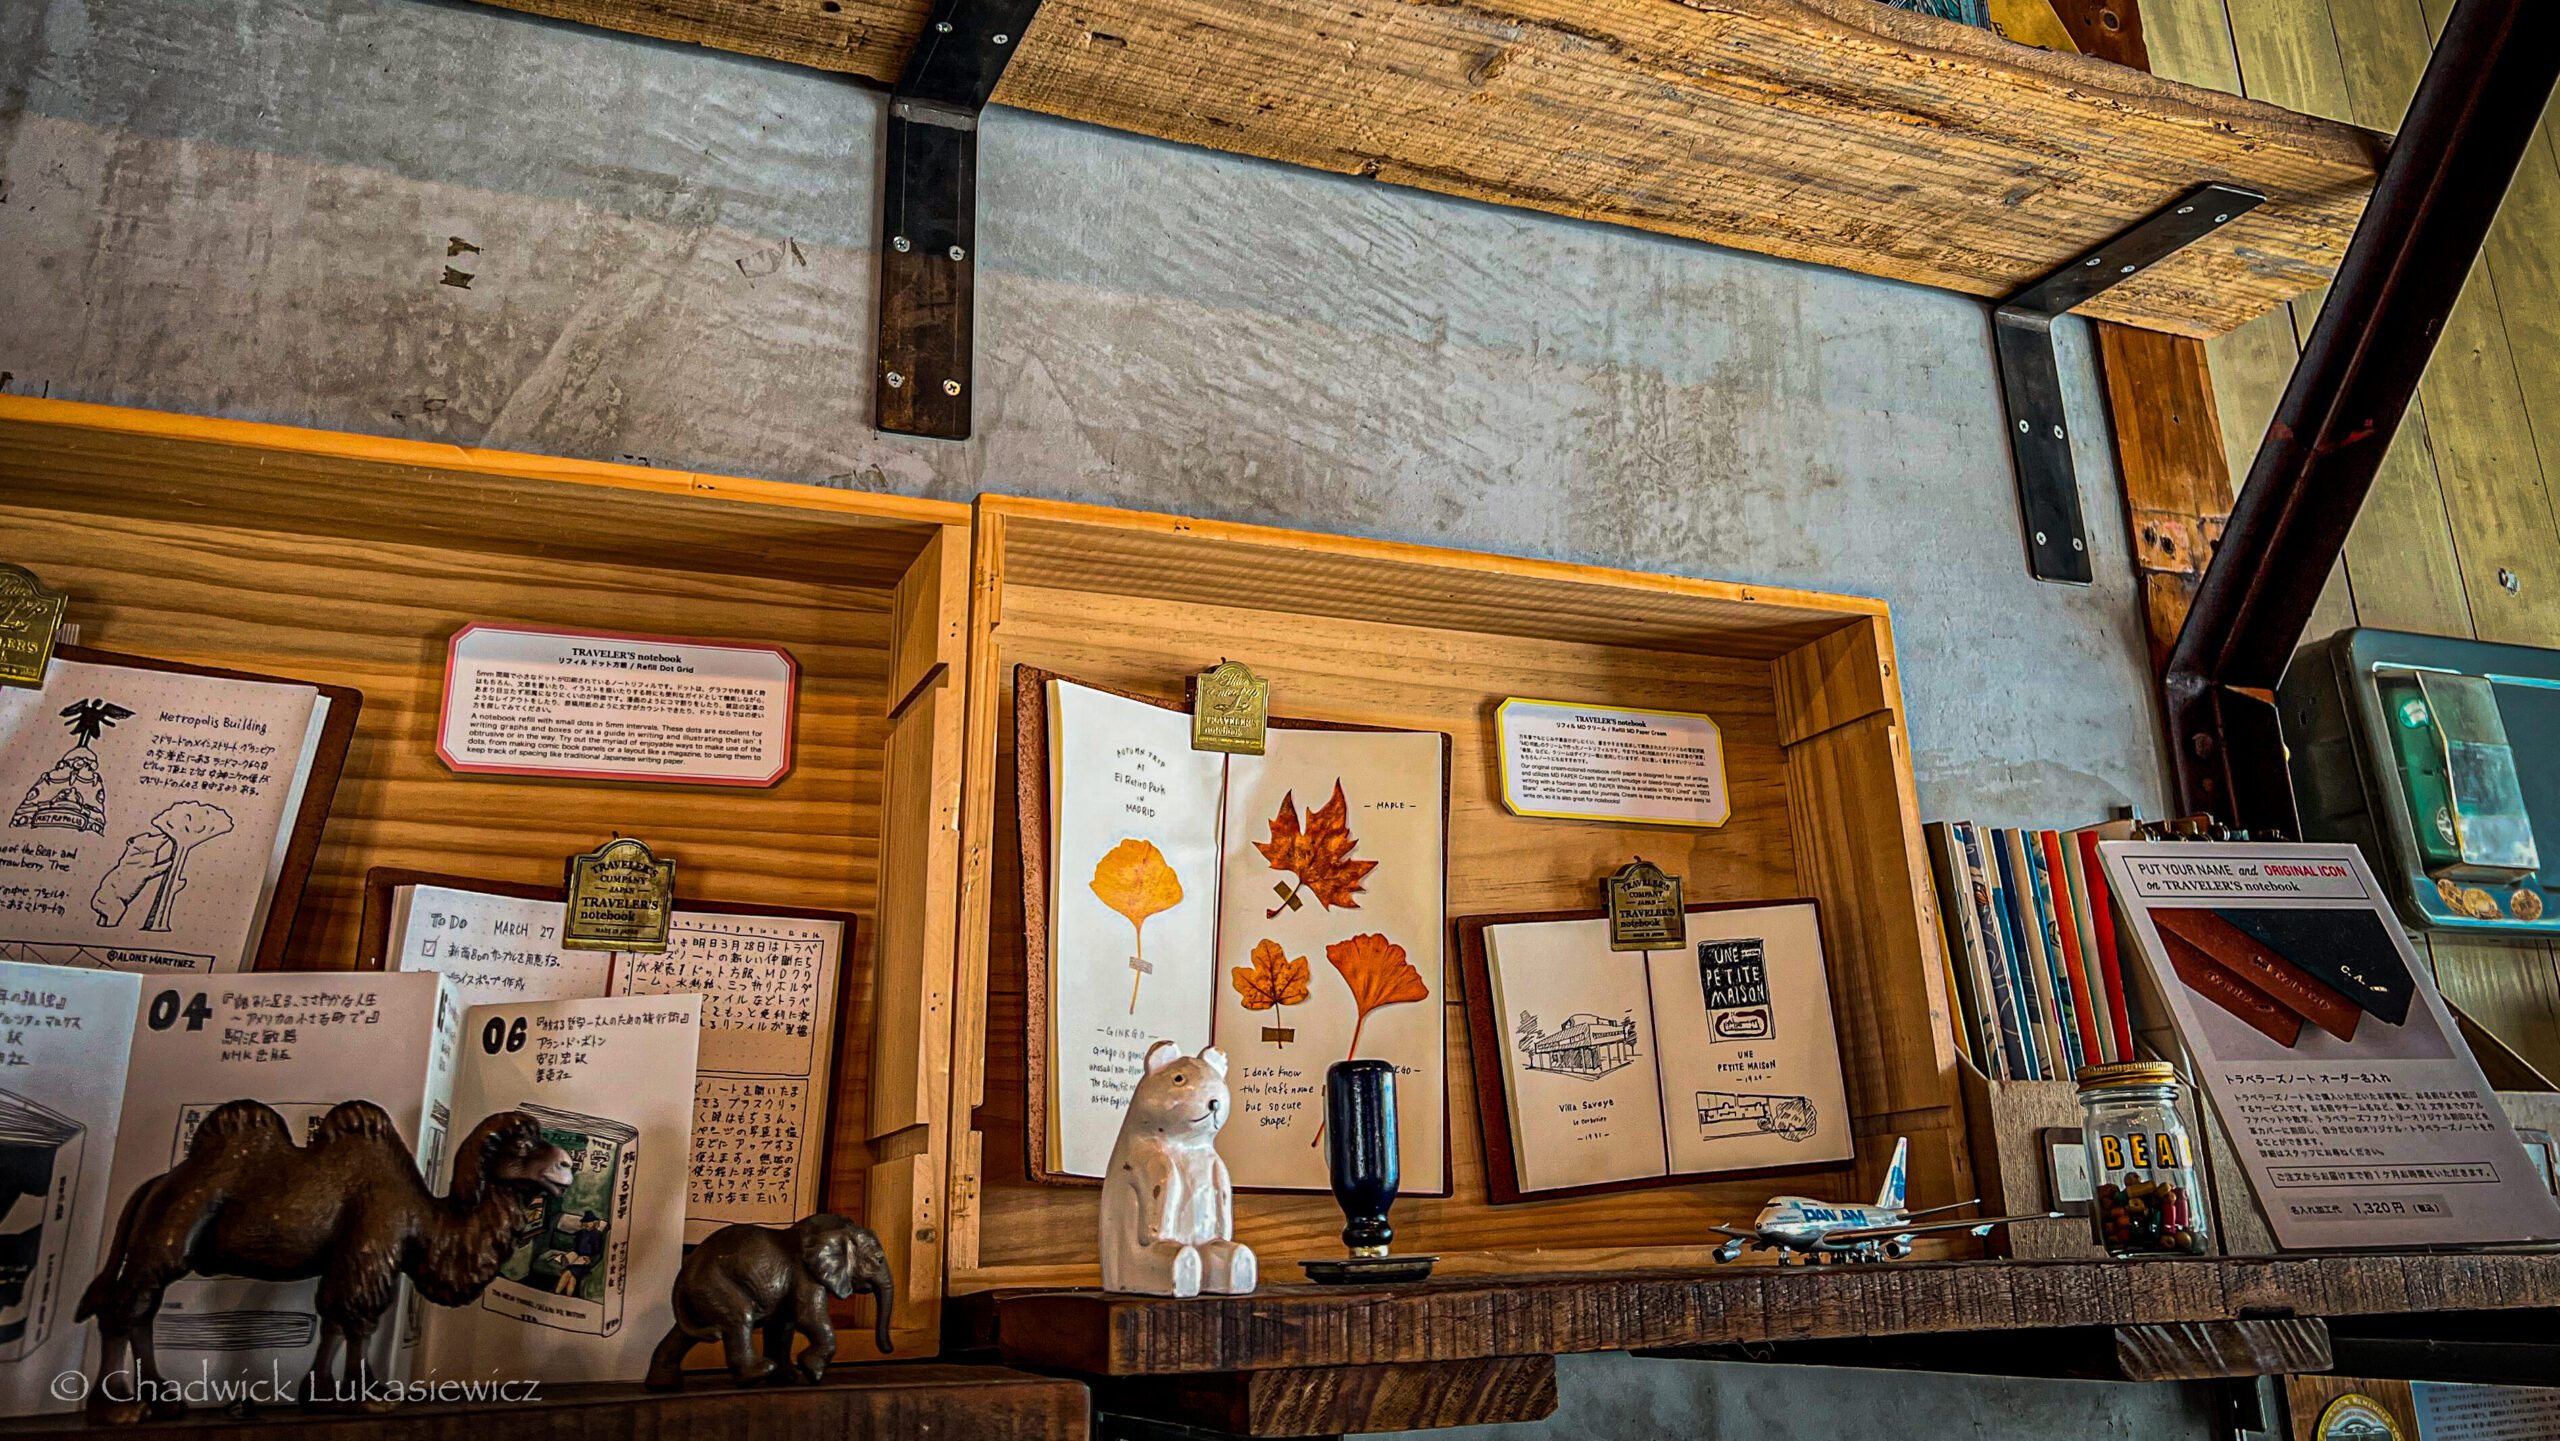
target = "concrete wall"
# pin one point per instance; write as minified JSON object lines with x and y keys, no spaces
{"x":248,"y":208}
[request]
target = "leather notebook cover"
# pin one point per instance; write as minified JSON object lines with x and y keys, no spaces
{"x":2346,"y":950}
{"x":2208,"y":979}
{"x":2249,"y":959}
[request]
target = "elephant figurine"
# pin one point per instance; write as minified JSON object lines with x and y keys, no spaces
{"x":744,"y":1279}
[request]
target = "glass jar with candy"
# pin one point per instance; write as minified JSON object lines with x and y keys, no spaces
{"x":2142,"y":1165}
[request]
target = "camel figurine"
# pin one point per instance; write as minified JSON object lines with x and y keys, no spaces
{"x":350,"y":1208}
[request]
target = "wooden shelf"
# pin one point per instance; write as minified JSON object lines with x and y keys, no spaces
{"x":855,"y":1403}
{"x":1843,"y":132}
{"x":1469,"y":1318}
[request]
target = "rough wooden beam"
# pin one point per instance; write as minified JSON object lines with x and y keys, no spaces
{"x":1838,"y":131}
{"x":1326,"y":1400}
{"x":1286,"y":1325}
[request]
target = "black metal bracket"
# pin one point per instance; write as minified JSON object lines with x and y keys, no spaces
{"x":929,"y":215}
{"x":2031,"y":381}
{"x":2449,"y":168}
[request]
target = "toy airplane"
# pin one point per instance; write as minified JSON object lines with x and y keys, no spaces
{"x":1820,"y":1231}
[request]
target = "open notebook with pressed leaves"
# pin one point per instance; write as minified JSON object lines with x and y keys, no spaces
{"x":1287,"y":908}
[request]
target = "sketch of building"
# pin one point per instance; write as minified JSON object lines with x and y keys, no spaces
{"x":1585,"y":1045}
{"x":1739,"y":1113}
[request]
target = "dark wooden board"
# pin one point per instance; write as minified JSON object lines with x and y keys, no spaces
{"x":1326,"y":1400}
{"x":983,"y":1403}
{"x":2150,"y":1351}
{"x":1507,"y":1315}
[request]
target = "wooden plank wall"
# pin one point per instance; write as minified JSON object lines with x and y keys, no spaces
{"x":2458,"y":536}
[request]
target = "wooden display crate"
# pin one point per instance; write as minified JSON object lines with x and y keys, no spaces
{"x":349,"y":559}
{"x":1803,"y":685}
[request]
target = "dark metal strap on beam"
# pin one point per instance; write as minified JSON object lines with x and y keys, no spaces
{"x":2448,"y":170}
{"x":2031,"y":382}
{"x":928,"y":216}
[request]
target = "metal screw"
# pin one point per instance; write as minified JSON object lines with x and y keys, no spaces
{"x":2039,"y":537}
{"x":2097,"y":260}
{"x":2128,"y":270}
{"x":959,"y":254}
{"x":2186,"y":210}
{"x":899,"y":244}
{"x":942,"y":27}
{"x":951,"y":387}
{"x":2201,"y":743}
{"x":2076,"y":544}
{"x":2057,"y":432}
{"x":2508,"y":579}
{"x":2220,"y":218}
{"x":896,"y":380}
{"x":1004,"y":40}
{"x":2023,"y":427}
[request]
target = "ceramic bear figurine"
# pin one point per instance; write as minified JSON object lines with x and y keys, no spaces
{"x":1168,"y":1211}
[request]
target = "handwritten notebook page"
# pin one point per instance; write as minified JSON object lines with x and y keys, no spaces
{"x":495,"y":948}
{"x":1337,"y":902}
{"x":1579,"y":1053}
{"x":1133,"y":907}
{"x":144,"y":814}
{"x":768,"y":986}
{"x":1750,"y":1068}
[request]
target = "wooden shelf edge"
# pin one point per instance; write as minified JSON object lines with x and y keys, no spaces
{"x":1847,"y":609}
{"x":469,"y":460}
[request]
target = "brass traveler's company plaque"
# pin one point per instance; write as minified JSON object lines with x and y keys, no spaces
{"x":30,"y":617}
{"x":1230,"y":710}
{"x":1644,"y":908}
{"x":621,"y":898}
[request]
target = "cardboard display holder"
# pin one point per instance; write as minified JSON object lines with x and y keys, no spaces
{"x":1803,"y":686}
{"x":344,"y":559}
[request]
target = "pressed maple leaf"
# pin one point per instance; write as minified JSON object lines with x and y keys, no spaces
{"x":1275,"y":979}
{"x":1135,"y":880}
{"x":1319,"y":855}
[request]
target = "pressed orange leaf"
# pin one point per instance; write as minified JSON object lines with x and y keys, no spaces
{"x":1134,"y":880}
{"x":1274,"y":979}
{"x":1377,"y":973}
{"x":1319,"y":853}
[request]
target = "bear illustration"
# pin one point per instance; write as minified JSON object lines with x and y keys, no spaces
{"x":1168,"y":1210}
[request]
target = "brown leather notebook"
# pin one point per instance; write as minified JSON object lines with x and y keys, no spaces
{"x":2248,"y":959}
{"x":2208,"y":979}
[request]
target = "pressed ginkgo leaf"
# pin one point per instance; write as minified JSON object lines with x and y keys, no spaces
{"x":1378,"y":974}
{"x":1134,"y":879}
{"x":1318,"y":854}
